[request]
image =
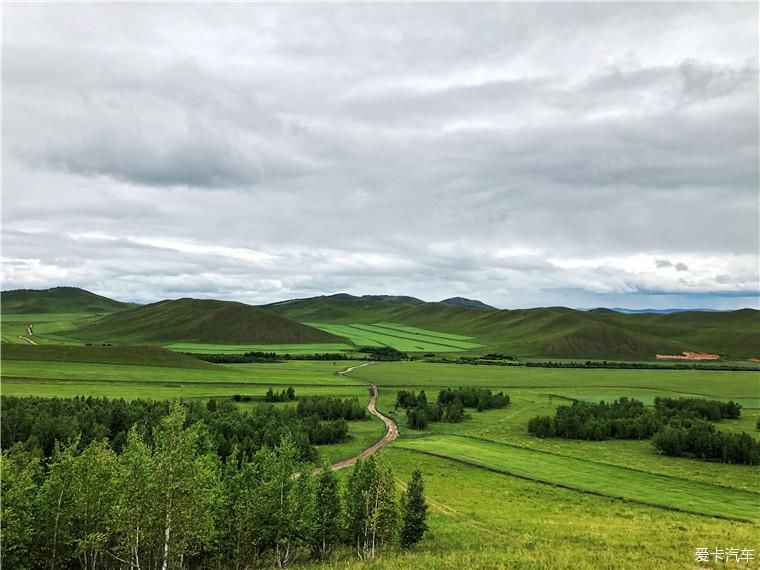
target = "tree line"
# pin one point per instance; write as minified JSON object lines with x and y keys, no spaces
{"x":169,"y":501}
{"x":269,"y":357}
{"x":680,"y":427}
{"x":449,"y":406}
{"x":39,"y":422}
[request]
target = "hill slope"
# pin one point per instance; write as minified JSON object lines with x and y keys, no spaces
{"x":57,"y":300}
{"x":202,"y":321}
{"x":464,"y":302}
{"x":556,"y":332}
{"x":134,"y":355}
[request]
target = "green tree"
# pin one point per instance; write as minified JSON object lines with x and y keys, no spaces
{"x":414,"y":511}
{"x":18,"y":486}
{"x":327,"y":510}
{"x":55,"y":509}
{"x":187,"y":487}
{"x":135,"y":520}
{"x":92,"y":500}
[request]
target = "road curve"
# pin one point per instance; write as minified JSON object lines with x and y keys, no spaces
{"x":391,"y":429}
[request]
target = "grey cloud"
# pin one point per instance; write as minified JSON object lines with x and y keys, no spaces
{"x":417,"y":148}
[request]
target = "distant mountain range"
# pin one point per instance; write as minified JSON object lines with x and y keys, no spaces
{"x":555,"y":332}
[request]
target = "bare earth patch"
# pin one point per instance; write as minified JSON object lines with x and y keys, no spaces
{"x":686,"y":355}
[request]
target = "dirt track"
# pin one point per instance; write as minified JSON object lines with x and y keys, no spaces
{"x":391,"y":429}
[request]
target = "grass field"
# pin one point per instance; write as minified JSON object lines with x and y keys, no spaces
{"x":400,"y":337}
{"x":594,"y":477}
{"x":48,"y":328}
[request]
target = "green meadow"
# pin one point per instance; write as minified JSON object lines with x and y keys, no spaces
{"x":400,"y":337}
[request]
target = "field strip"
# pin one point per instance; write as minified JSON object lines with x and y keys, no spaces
{"x":417,"y":337}
{"x":592,"y":477}
{"x":426,"y":332}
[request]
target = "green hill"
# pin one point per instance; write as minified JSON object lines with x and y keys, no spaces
{"x":57,"y":300}
{"x":201,"y":321}
{"x":556,"y":332}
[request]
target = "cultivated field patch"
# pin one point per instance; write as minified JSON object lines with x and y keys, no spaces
{"x":592,"y":477}
{"x":400,"y":337}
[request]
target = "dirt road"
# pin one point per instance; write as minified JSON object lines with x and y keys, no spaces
{"x":391,"y":429}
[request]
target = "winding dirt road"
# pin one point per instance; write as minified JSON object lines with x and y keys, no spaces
{"x":391,"y":429}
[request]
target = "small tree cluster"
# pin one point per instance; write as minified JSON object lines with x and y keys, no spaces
{"x":282,"y":396}
{"x":622,"y":419}
{"x":699,"y":408}
{"x":700,"y":440}
{"x":449,"y":406}
{"x":328,"y":408}
{"x":383,"y":353}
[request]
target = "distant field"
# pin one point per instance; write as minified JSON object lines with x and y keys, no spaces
{"x":129,"y":381}
{"x":201,"y":348}
{"x":400,"y":337}
{"x":593,"y":477}
{"x":48,"y":328}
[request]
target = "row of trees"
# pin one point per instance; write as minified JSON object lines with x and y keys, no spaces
{"x":700,"y":440}
{"x":449,"y":406}
{"x":40,"y":422}
{"x":711,"y":410}
{"x":258,"y":356}
{"x":678,"y":426}
{"x":282,"y":396}
{"x":622,"y":419}
{"x":171,"y":502}
{"x":328,"y":408}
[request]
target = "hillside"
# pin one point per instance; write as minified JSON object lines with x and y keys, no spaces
{"x":556,"y":332}
{"x":134,"y":355}
{"x":58,"y":300}
{"x":203,"y":321}
{"x":464,"y":302}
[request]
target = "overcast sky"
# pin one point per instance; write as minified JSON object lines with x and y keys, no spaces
{"x":525,"y":155}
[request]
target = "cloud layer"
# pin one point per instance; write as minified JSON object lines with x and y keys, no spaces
{"x":523,"y":154}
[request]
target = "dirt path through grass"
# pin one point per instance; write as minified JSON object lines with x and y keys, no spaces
{"x":391,"y":429}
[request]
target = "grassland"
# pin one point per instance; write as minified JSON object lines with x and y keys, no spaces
{"x":400,"y":337}
{"x":500,"y":498}
{"x":594,"y":477}
{"x":484,"y":519}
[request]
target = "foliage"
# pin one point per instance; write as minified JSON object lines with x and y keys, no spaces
{"x":168,"y":501}
{"x":40,"y":422}
{"x":449,"y":406}
{"x":700,"y":440}
{"x":414,"y":511}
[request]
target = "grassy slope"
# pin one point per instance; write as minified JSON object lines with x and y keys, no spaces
{"x":58,"y":300}
{"x":201,"y":321}
{"x":594,"y":477}
{"x":129,"y":355}
{"x":551,"y":331}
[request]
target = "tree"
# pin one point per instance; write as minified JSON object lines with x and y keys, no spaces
{"x":326,"y":512}
{"x":135,"y":521}
{"x":414,"y":511}
{"x":20,"y":473}
{"x":188,"y":489}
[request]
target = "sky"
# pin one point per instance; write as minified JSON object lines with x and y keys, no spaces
{"x":522,"y":154}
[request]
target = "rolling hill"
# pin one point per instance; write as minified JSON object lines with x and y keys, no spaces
{"x":58,"y":300}
{"x":464,"y":302}
{"x":556,"y":332}
{"x":201,"y":321}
